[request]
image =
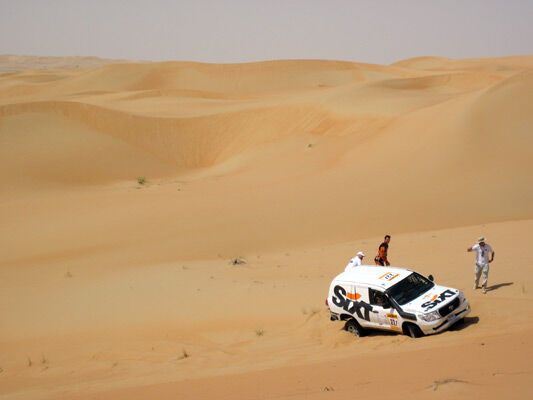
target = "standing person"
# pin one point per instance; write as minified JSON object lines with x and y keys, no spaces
{"x":356,"y":261}
{"x":481,"y":269}
{"x":381,"y":257}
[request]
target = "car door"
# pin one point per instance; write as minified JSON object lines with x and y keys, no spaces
{"x":383,"y":316}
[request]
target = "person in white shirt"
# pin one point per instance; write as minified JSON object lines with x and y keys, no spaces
{"x":483,"y":250}
{"x":356,"y":261}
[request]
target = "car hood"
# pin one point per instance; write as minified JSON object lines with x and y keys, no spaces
{"x":432,"y":300}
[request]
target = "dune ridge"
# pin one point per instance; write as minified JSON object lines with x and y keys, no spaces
{"x":171,"y":228}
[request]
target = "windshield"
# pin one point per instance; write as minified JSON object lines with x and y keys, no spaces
{"x":410,"y":288}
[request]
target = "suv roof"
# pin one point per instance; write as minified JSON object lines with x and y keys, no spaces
{"x":384,"y":277}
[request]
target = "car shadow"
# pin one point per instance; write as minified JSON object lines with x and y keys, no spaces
{"x":499,"y":285}
{"x":464,"y":323}
{"x":378,"y":332}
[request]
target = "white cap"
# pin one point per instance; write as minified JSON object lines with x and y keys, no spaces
{"x":360,"y":253}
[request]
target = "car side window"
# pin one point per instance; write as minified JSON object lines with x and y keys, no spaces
{"x":378,"y":298}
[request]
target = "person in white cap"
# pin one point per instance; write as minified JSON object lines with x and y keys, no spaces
{"x":356,"y":261}
{"x":483,"y":250}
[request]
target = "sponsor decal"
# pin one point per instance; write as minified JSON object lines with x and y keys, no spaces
{"x":437,"y":299}
{"x":357,"y":308}
{"x":389,"y":276}
{"x":394,"y":323}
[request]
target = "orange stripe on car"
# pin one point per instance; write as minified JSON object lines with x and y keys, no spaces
{"x":353,"y":296}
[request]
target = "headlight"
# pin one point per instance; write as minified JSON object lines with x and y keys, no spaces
{"x":432,"y":316}
{"x":461,"y":298}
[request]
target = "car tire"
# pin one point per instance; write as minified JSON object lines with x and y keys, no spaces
{"x":353,"y":326}
{"x":413,"y":331}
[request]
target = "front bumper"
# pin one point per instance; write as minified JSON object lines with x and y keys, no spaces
{"x":430,"y":328}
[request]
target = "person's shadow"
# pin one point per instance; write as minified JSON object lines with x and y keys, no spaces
{"x":498,"y":285}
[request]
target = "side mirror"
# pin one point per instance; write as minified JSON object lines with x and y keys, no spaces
{"x":430,"y":277}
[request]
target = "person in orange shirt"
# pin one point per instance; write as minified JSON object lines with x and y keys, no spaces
{"x":381,"y":257}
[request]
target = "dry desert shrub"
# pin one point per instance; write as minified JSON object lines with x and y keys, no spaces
{"x":238,"y":261}
{"x":184,"y":355}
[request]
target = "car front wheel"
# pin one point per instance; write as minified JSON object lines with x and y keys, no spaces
{"x":413,"y":331}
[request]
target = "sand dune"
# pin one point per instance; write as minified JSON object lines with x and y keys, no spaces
{"x":12,"y":62}
{"x":111,"y":288}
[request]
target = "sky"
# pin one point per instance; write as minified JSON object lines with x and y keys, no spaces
{"x":230,"y":31}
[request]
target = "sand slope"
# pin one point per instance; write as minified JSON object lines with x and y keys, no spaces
{"x":114,"y":289}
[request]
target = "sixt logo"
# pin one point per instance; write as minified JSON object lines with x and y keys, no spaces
{"x":347,"y":303}
{"x":435,"y":300}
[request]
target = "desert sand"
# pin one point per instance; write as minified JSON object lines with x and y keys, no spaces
{"x":130,"y":189}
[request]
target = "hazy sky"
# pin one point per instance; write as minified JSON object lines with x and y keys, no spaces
{"x":249,"y":30}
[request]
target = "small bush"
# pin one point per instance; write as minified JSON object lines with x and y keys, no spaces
{"x":238,"y":261}
{"x":184,"y":355}
{"x":141,"y":180}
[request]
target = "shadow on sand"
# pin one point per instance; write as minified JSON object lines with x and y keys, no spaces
{"x":499,"y":285}
{"x":464,"y":323}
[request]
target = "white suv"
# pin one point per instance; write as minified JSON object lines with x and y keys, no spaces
{"x":394,"y":299}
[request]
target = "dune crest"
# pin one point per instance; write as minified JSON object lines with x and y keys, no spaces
{"x":170,"y":229}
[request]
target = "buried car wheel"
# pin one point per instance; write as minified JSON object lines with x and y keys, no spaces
{"x":413,"y":330}
{"x":353,"y":326}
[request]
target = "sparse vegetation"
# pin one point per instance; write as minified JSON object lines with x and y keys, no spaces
{"x":259,"y":332}
{"x":141,"y":180}
{"x":68,"y":275}
{"x":438,"y":383}
{"x":238,"y":261}
{"x":30,"y":363}
{"x":184,"y":355}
